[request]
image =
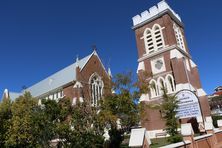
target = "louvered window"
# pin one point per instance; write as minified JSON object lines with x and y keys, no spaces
{"x":179,"y":37}
{"x":153,"y":39}
{"x":158,"y":37}
{"x":149,"y":41}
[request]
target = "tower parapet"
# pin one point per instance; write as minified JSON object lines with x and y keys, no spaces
{"x":154,"y":12}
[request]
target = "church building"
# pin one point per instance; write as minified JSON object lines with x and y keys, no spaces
{"x":85,"y":80}
{"x":164,"y":55}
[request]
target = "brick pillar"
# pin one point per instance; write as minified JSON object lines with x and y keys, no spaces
{"x":188,"y":134}
{"x":209,"y":129}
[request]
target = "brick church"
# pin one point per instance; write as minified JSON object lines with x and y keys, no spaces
{"x":163,"y":54}
{"x":86,"y":80}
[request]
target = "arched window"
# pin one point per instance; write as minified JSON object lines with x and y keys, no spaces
{"x":153,"y":89}
{"x":157,"y":31}
{"x":148,"y":40}
{"x":179,"y":37}
{"x":153,"y":39}
{"x":96,"y":87}
{"x":161,"y":85}
{"x":170,"y":83}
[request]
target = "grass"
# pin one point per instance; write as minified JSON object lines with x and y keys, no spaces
{"x":159,"y":142}
{"x":125,"y":142}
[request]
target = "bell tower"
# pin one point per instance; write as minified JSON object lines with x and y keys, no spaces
{"x":163,"y":54}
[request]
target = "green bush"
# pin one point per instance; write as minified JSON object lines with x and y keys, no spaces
{"x":175,"y":138}
{"x":215,"y":118}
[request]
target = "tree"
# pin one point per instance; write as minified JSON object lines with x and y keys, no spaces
{"x":45,"y":118}
{"x":19,"y":133}
{"x":33,"y":125}
{"x":84,"y":128}
{"x":88,"y":123}
{"x":121,"y":107}
{"x":5,"y":116}
{"x":168,"y":109}
{"x":52,"y":121}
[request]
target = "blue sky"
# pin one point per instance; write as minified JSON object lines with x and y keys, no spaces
{"x":38,"y":38}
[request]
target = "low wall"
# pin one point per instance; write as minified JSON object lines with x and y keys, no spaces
{"x":218,"y":135}
{"x":205,"y":141}
{"x":184,"y":144}
{"x":211,"y":140}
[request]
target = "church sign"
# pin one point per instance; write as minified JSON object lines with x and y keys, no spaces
{"x":188,"y":105}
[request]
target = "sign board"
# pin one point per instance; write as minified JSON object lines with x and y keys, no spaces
{"x":188,"y":105}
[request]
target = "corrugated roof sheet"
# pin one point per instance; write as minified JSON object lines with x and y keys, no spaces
{"x":55,"y":81}
{"x":58,"y":79}
{"x":14,"y":95}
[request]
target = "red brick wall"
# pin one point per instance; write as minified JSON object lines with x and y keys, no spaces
{"x":152,"y":119}
{"x":204,"y":143}
{"x":168,"y":33}
{"x":93,"y":66}
{"x":69,"y":91}
{"x":219,"y":137}
{"x":204,"y":104}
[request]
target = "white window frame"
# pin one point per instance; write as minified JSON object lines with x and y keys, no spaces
{"x":179,"y":37}
{"x":155,"y":36}
{"x":153,"y":88}
{"x":150,"y":40}
{"x":171,"y":87}
{"x":96,"y":88}
{"x":160,"y":87}
{"x":151,"y":44}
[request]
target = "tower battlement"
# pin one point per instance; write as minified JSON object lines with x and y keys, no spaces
{"x":153,"y":12}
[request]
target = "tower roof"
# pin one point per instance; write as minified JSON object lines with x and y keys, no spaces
{"x":155,"y":12}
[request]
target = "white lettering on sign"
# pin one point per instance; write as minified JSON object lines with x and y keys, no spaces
{"x":188,"y":105}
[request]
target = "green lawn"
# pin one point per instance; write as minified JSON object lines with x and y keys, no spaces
{"x":155,"y":143}
{"x":159,"y":142}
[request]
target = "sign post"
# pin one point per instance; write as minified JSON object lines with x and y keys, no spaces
{"x":188,"y":105}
